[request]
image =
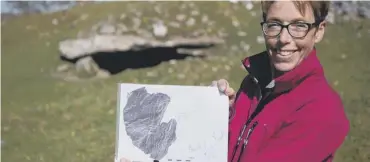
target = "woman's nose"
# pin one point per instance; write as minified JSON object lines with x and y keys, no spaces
{"x":285,"y":37}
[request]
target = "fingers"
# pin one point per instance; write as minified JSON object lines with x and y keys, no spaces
{"x":231,"y":94}
{"x":223,"y":85}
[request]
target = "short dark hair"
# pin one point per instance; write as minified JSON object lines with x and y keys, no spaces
{"x":320,"y":8}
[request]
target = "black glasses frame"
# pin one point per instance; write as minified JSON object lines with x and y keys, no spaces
{"x":310,"y":26}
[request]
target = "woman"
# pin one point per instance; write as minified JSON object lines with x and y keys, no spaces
{"x":285,"y":110}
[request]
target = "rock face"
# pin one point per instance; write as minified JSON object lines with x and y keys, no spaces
{"x":77,"y":48}
{"x":142,"y":117}
{"x":108,"y":49}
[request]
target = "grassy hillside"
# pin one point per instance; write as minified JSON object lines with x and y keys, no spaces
{"x":47,"y":119}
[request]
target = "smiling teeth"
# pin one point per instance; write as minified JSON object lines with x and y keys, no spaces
{"x":286,"y":53}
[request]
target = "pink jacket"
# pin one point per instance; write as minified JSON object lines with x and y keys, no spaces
{"x":302,"y":117}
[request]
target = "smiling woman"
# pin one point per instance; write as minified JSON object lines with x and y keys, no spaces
{"x":305,"y":26}
{"x":285,"y":110}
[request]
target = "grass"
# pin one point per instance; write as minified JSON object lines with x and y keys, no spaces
{"x":47,"y":119}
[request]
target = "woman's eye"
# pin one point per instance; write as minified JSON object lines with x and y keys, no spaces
{"x":300,"y":25}
{"x":271,"y":25}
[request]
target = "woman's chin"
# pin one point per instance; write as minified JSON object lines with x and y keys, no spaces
{"x":283,"y":66}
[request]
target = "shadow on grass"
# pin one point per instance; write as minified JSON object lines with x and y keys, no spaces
{"x":118,"y":61}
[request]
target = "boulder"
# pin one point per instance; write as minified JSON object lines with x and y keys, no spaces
{"x":72,"y":49}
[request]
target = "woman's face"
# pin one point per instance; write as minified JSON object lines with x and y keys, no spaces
{"x":286,"y":52}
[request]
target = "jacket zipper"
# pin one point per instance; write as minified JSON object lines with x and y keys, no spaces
{"x":241,"y":134}
{"x":250,"y":130}
{"x":247,"y":139}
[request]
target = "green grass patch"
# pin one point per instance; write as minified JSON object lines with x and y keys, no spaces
{"x":47,"y":119}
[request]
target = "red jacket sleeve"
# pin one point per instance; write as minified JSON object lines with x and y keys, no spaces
{"x":304,"y":140}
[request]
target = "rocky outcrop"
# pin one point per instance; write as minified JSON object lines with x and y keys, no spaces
{"x":108,"y":48}
{"x":80,"y":47}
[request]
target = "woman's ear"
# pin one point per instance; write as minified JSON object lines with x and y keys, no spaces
{"x":320,"y":32}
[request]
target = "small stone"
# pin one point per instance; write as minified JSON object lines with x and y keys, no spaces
{"x":86,"y":67}
{"x":54,"y":21}
{"x":249,"y":5}
{"x":214,"y":69}
{"x":173,"y":62}
{"x":336,"y":83}
{"x":190,"y":22}
{"x":180,"y":17}
{"x":343,"y":56}
{"x":235,"y":23}
{"x":205,"y":19}
{"x":159,"y":29}
{"x":234,"y":1}
{"x":242,"y":34}
{"x":260,"y":39}
{"x":195,"y":13}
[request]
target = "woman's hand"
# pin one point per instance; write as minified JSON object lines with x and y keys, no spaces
{"x":224,"y":87}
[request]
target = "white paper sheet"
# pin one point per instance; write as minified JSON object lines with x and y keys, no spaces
{"x":171,"y":123}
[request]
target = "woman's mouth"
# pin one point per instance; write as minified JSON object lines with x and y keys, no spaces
{"x":284,"y":53}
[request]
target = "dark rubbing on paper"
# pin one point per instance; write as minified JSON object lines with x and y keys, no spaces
{"x":142,"y":117}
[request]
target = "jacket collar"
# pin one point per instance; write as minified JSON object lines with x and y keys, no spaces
{"x":259,"y":68}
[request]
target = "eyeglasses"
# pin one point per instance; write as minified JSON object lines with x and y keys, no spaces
{"x":295,"y":29}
